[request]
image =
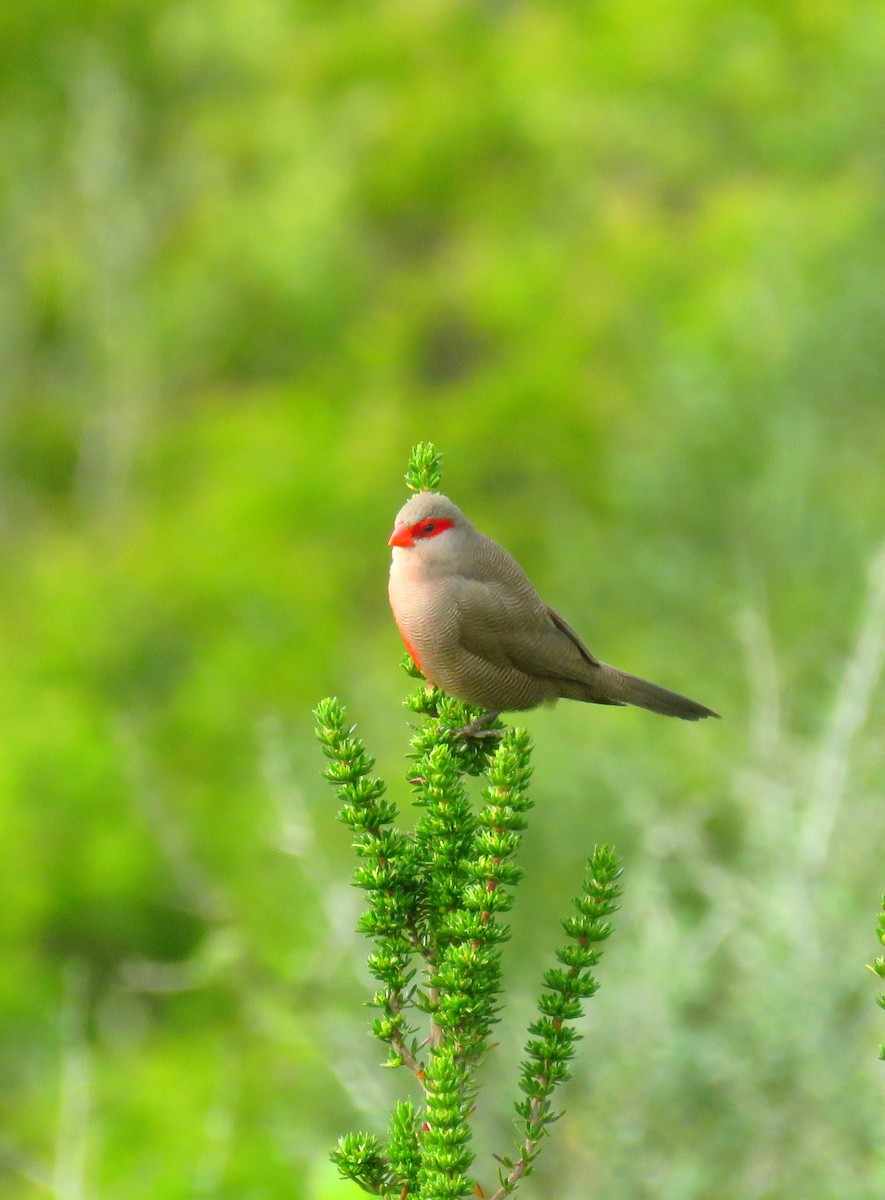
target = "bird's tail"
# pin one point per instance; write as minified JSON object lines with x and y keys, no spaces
{"x":630,"y":689}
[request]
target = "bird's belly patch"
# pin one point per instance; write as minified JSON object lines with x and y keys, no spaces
{"x":411,"y":649}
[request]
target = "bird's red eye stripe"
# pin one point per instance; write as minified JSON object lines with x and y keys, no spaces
{"x":431,"y":528}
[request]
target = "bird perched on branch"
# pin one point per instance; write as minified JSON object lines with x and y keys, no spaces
{"x":475,"y":626}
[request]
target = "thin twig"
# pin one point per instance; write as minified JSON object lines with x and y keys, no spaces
{"x":72,"y":1140}
{"x":850,"y":710}
{"x":754,"y":631}
{"x":537,"y":1112}
{"x":397,"y":1042}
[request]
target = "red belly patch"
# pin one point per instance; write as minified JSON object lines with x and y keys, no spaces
{"x":411,"y":649}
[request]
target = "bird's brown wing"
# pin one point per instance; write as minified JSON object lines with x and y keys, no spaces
{"x":565,"y":628}
{"x":501,"y":628}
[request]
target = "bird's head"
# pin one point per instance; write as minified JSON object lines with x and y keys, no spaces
{"x":430,"y":531}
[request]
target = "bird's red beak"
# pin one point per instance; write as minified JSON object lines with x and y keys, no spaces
{"x":401,"y":536}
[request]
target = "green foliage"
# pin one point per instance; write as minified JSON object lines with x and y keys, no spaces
{"x":552,"y":1035}
{"x":390,"y":876}
{"x":437,"y":895}
{"x":425,"y":467}
{"x":359,"y":1157}
{"x":403,"y":1149}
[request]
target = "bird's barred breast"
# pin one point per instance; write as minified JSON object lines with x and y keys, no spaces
{"x":427,"y":621}
{"x":458,"y":643}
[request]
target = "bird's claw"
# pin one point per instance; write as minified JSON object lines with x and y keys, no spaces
{"x":476,"y":728}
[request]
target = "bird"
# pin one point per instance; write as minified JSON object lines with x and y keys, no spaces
{"x":475,"y":626}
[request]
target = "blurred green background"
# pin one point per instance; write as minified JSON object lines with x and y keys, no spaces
{"x":623,"y":264}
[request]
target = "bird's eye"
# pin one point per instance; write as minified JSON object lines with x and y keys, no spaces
{"x":432,"y":528}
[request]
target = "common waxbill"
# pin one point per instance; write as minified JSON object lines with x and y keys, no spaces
{"x":476,"y":627}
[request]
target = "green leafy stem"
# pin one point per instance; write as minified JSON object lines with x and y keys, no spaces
{"x":436,"y":899}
